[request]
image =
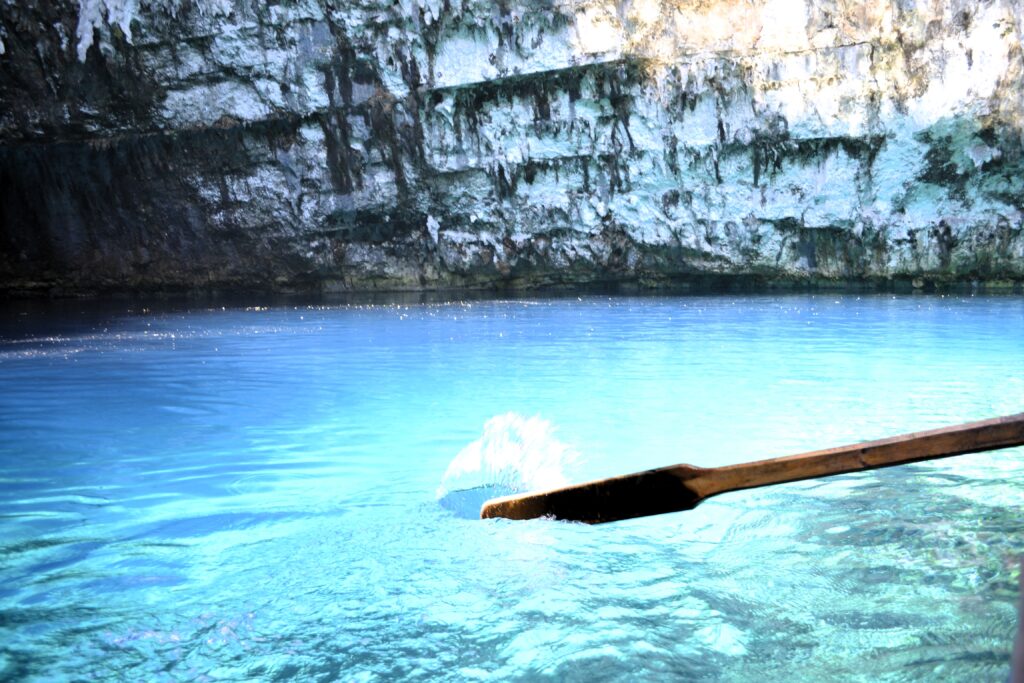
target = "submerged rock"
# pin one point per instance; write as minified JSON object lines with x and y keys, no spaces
{"x":437,"y":143}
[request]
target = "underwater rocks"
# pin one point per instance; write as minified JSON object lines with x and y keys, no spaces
{"x":316,"y":146}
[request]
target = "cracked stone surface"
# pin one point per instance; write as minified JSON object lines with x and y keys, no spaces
{"x":416,"y":144}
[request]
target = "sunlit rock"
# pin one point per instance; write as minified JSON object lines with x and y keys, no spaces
{"x":423,"y":144}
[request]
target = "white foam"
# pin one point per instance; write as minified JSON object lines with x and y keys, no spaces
{"x":514,"y":452}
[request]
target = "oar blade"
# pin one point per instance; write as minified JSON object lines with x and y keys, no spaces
{"x":607,"y":500}
{"x":682,"y":487}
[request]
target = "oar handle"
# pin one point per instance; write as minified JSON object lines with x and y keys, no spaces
{"x":682,"y":487}
{"x":972,"y":437}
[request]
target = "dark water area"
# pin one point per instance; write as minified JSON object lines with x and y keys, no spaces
{"x":224,"y":491}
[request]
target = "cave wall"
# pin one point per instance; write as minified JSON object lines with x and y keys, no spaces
{"x":321,"y":146}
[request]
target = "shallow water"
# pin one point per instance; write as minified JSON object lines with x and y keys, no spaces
{"x":252,"y":493}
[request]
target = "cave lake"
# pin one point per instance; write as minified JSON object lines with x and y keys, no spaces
{"x":228,"y":493}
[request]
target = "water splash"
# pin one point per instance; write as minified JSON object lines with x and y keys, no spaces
{"x":514,"y":454}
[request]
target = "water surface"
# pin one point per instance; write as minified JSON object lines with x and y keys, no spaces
{"x":251,"y":493}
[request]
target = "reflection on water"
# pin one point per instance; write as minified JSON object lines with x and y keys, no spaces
{"x":466,"y":503}
{"x":254,"y":493}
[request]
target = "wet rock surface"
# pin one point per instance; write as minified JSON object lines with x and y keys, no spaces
{"x":318,"y":146}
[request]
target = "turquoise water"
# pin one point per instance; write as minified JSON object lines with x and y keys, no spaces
{"x":252,"y":494}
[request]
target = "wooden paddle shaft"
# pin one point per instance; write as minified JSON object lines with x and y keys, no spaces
{"x":682,"y":487}
{"x":987,"y":435}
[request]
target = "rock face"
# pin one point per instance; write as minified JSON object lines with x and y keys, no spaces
{"x":371,"y":144}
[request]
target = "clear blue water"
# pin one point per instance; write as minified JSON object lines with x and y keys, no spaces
{"x":249,"y":494}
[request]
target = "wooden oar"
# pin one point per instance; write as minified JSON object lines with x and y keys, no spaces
{"x":683,"y":487}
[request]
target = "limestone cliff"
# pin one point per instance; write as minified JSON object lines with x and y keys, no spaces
{"x":430,"y":143}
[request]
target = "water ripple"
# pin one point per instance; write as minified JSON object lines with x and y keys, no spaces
{"x":247,"y":494}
